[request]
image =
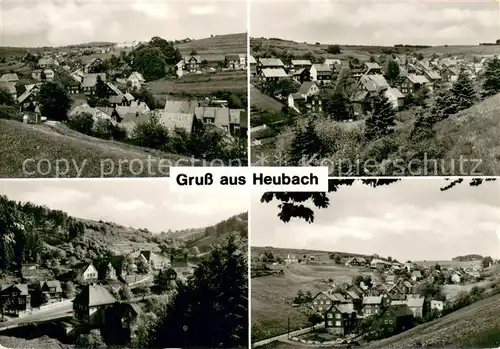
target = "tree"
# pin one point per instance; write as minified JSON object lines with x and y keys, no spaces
{"x":92,"y":340}
{"x":306,"y":145}
{"x":101,"y":89}
{"x":125,"y":293}
{"x":69,"y":290}
{"x":218,"y":289}
{"x":151,"y":134}
{"x":392,"y":70}
{"x":382,"y":120}
{"x":333,"y":49}
{"x":54,"y":101}
{"x":142,"y":266}
{"x":291,"y":204}
{"x":151,"y":63}
{"x":6,"y":98}
{"x":486,"y":262}
{"x":444,"y":105}
{"x":83,"y":123}
{"x":314,"y":319}
{"x":463,"y":91}
{"x":423,"y":128}
{"x":491,"y":84}
{"x":338,"y":106}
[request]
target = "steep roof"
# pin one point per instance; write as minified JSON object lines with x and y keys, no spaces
{"x":90,"y":80}
{"x":95,"y":295}
{"x":415,"y":302}
{"x":173,"y":121}
{"x":372,"y":300}
{"x":9,"y":77}
{"x":274,"y":73}
{"x":271,"y":62}
{"x":187,"y":107}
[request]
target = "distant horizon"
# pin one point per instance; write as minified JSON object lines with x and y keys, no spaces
{"x":110,"y":43}
{"x":364,"y":254}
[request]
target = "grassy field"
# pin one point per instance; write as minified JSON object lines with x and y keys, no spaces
{"x":262,"y":101}
{"x":215,"y":48}
{"x":451,"y":264}
{"x":272,"y":296}
{"x":19,"y":142}
{"x":202,"y":83}
{"x":38,"y":343}
{"x":475,"y":326}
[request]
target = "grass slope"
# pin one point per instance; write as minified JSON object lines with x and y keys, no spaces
{"x":216,"y":47}
{"x":263,"y":101}
{"x":473,"y":134}
{"x":476,"y":326}
{"x":20,"y":141}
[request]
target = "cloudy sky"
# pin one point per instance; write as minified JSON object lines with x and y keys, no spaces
{"x":375,"y":22}
{"x":411,"y":219}
{"x":64,"y":22}
{"x":136,"y":203}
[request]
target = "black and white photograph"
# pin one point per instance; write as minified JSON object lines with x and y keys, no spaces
{"x":371,"y":88}
{"x":377,"y":264}
{"x":121,"y":264}
{"x":121,"y":88}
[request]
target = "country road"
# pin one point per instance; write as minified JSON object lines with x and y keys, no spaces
{"x":285,"y":336}
{"x":54,"y":312}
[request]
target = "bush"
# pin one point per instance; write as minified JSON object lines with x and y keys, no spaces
{"x":83,"y":123}
{"x":10,"y":113}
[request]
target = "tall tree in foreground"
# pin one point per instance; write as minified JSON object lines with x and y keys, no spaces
{"x":464,"y":94}
{"x":305,"y":145}
{"x":54,"y":101}
{"x":338,"y":106}
{"x":382,"y":120}
{"x":292,"y":203}
{"x":211,"y":309}
{"x":491,"y":84}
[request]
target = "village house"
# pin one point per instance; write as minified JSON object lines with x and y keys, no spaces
{"x":273,"y":74}
{"x":372,"y":305}
{"x":184,"y":122}
{"x":15,"y":299}
{"x":413,"y":83}
{"x":300,"y":64}
{"x":90,"y":81}
{"x":181,"y":268}
{"x":290,"y":259}
{"x":46,"y":62}
{"x":456,"y":277}
{"x":235,"y":61}
{"x":416,"y":275}
{"x":90,"y":304}
{"x":323,"y":302}
{"x":301,"y":75}
{"x":372,"y":68}
{"x":395,"y":97}
{"x":89,"y":273}
{"x":253,"y":66}
{"x":52,"y":289}
{"x":373,"y":83}
{"x":437,"y":305}
{"x":332,"y":62}
{"x":269,"y":63}
{"x":192,"y":63}
{"x":341,"y":319}
{"x":321,"y":73}
{"x":449,"y":74}
{"x":28,"y":100}
{"x":397,"y":318}
{"x":136,"y":80}
{"x":93,"y":64}
{"x":37,"y":74}
{"x":416,"y":305}
{"x":9,"y":77}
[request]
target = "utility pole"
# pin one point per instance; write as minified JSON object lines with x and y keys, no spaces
{"x":288,"y":326}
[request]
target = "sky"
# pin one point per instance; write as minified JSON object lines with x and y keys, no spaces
{"x":407,"y":220}
{"x":136,"y":203}
{"x":375,"y":22}
{"x":34,"y":23}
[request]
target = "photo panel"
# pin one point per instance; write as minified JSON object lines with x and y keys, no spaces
{"x":377,"y":264}
{"x":122,"y":263}
{"x":370,"y":88}
{"x":121,"y":88}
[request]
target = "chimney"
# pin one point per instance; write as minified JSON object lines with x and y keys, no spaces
{"x":136,"y":114}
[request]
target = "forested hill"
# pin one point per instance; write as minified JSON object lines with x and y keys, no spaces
{"x":33,"y":233}
{"x":468,"y":258}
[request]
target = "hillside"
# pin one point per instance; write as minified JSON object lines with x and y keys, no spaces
{"x":473,"y":133}
{"x":20,"y":141}
{"x":217,"y":46}
{"x":476,"y":325}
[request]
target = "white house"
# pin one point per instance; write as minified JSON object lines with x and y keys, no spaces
{"x":136,"y":80}
{"x":395,"y":97}
{"x":90,"y":273}
{"x":437,"y":305}
{"x":37,"y":74}
{"x":290,"y":259}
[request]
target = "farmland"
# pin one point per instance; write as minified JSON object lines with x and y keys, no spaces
{"x":216,"y":47}
{"x":20,"y":141}
{"x":201,"y":83}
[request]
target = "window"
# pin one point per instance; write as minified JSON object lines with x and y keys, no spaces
{"x":320,"y":109}
{"x":330,"y":315}
{"x":320,"y":308}
{"x":337,"y":323}
{"x":321,"y":302}
{"x":315,"y":301}
{"x":390,"y":321}
{"x":327,"y":301}
{"x":385,"y":322}
{"x":337,"y":316}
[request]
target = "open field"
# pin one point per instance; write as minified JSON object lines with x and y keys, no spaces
{"x":477,"y":326}
{"x":272,"y":296}
{"x":450,"y":264}
{"x":202,"y":83}
{"x":19,"y":142}
{"x":364,"y":52}
{"x":217,"y":47}
{"x":262,"y":101}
